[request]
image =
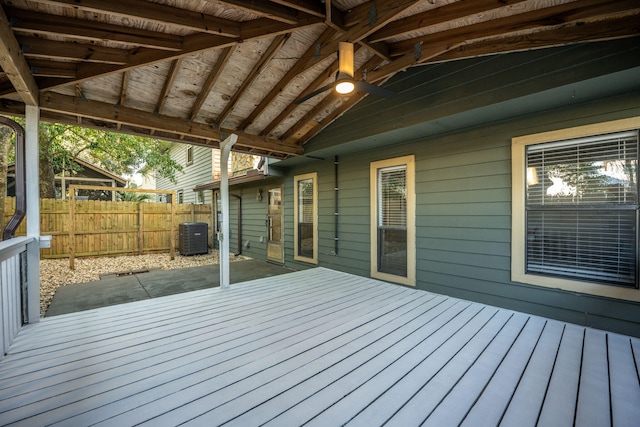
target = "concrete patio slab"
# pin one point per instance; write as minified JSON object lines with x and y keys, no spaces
{"x":112,"y":290}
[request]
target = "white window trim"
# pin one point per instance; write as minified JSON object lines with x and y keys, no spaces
{"x":518,"y":177}
{"x":409,"y":162}
{"x":314,"y":177}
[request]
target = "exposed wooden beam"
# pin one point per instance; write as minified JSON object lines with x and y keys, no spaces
{"x":623,"y":27}
{"x":34,"y":47}
{"x":543,"y":18}
{"x":15,"y":65}
{"x":168,"y":84}
{"x":437,"y":15}
{"x":267,"y":9}
{"x":215,"y":72}
{"x":57,"y":69}
{"x":267,"y":56}
{"x":297,"y":68}
{"x":154,"y":12}
{"x":371,"y":13}
{"x":26,"y":22}
{"x":54,"y":102}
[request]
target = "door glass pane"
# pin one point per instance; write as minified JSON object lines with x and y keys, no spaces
{"x":305,"y":218}
{"x":392,"y":220}
{"x":275,"y":215}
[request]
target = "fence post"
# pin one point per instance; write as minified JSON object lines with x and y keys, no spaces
{"x":140,"y":228}
{"x":72,"y":227}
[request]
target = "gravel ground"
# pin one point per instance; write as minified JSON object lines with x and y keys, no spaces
{"x":55,"y":272}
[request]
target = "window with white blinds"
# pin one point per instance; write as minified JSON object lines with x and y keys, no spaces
{"x":582,"y":209}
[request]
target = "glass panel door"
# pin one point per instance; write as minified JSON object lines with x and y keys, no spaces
{"x":274,"y":225}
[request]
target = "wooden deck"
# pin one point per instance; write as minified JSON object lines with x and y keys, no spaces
{"x":321,"y":348}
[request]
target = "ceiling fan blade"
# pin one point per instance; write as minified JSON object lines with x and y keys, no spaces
{"x":345,"y":58}
{"x":374,"y":90}
{"x":312,"y":94}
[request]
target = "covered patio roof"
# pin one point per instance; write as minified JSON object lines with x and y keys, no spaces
{"x":196,"y":71}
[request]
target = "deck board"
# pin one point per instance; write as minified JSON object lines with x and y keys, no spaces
{"x":316,"y":347}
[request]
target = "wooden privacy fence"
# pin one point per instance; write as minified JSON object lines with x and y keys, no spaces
{"x":110,"y":228}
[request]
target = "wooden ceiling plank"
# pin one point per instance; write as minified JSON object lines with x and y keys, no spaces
{"x":267,"y":56}
{"x":167,"y":85}
{"x":297,"y":68}
{"x":215,"y":72}
{"x":306,"y":6}
{"x":446,"y":13}
{"x":51,"y":101}
{"x":267,"y":9}
{"x":15,"y":65}
{"x":154,"y":12}
{"x":542,"y":18}
{"x":34,"y":47}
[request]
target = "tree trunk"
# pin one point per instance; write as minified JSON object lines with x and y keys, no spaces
{"x":5,"y":145}
{"x":46,"y":173}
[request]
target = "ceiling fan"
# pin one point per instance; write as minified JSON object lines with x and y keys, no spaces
{"x":345,"y":83}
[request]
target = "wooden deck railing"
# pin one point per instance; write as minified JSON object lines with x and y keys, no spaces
{"x":12,"y":279}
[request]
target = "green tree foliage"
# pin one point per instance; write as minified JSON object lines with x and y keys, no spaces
{"x":118,"y":153}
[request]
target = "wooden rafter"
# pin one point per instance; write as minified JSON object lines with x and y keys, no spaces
{"x":360,"y":28}
{"x":39,"y":48}
{"x":213,"y":75}
{"x":15,"y":65}
{"x":537,"y":19}
{"x":622,"y":27}
{"x":84,"y":31}
{"x":132,"y":117}
{"x":275,"y":46}
{"x":168,"y":83}
{"x":299,"y":66}
{"x":190,"y":44}
{"x":154,"y":12}
{"x":436,"y":16}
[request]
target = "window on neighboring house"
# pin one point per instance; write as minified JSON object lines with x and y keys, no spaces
{"x":305,"y":214}
{"x":393,"y":220}
{"x":189,"y":155}
{"x":180,"y":196}
{"x":200,"y":197}
{"x":576,"y":214}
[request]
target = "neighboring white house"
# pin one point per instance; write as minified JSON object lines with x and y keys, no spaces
{"x":201,"y":165}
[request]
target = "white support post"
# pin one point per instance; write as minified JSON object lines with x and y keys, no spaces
{"x":32,"y":160}
{"x":223,"y":236}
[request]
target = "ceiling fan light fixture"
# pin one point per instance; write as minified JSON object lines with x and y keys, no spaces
{"x":345,"y":86}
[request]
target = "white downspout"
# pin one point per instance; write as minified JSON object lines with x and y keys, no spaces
{"x":32,"y":160}
{"x":223,"y":236}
